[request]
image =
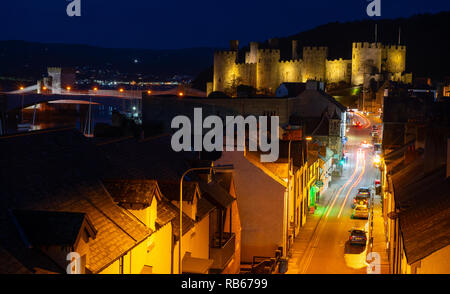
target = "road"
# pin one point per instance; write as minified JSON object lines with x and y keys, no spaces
{"x":329,"y":251}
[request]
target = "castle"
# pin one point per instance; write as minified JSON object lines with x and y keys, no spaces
{"x":265,"y":71}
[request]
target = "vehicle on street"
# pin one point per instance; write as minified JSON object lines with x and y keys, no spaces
{"x":364,"y":190}
{"x":365,"y":144}
{"x":361,"y":199}
{"x":357,"y":236}
{"x":361,"y":211}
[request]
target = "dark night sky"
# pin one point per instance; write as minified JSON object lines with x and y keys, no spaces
{"x":166,"y":24}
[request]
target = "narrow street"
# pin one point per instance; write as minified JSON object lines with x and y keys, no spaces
{"x":327,"y":250}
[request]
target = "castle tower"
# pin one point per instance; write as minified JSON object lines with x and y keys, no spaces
{"x":225,"y":67}
{"x":314,"y":63}
{"x":366,"y":60}
{"x":267,"y":70}
{"x":294,"y":49}
{"x":394,"y":60}
{"x":252,"y":56}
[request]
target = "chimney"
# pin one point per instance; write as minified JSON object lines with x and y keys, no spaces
{"x":294,"y":49}
{"x":312,"y":85}
{"x":234,"y":45}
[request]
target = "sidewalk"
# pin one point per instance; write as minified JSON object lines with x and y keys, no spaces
{"x":379,"y":236}
{"x":307,"y":231}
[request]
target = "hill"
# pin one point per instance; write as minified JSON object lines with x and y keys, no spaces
{"x":426,"y":37}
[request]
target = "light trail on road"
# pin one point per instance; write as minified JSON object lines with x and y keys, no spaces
{"x":356,"y":182}
{"x":315,"y":241}
{"x":343,"y":187}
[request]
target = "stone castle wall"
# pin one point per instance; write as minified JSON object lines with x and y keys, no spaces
{"x":314,"y":63}
{"x":338,"y":70}
{"x":264,"y":70}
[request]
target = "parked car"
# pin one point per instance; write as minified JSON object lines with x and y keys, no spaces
{"x":357,"y":236}
{"x":361,"y":211}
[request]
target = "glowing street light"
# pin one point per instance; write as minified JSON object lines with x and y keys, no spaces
{"x":149,"y":92}
{"x":44,"y":88}
{"x":180,"y":94}
{"x":95,"y":89}
{"x":68,"y":88}
{"x":21,"y":88}
{"x":309,"y":138}
{"x":121,"y":90}
{"x":377,"y":160}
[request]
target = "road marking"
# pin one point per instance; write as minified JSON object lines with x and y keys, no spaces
{"x":354,"y":184}
{"x":310,"y":250}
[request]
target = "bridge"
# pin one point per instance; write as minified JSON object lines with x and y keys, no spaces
{"x":124,"y":99}
{"x":18,"y":101}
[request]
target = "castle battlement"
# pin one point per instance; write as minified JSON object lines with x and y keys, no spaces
{"x":276,"y":51}
{"x":367,"y":45}
{"x":317,"y":48}
{"x":395,"y":47}
{"x":293,"y":62}
{"x":339,"y":60}
{"x":225,"y":52}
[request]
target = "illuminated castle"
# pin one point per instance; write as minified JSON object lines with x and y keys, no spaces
{"x":265,"y":71}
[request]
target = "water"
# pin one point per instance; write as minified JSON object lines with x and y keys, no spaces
{"x":55,"y":115}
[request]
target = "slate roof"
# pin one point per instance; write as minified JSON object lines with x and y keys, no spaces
{"x":59,"y":170}
{"x":216,"y":194}
{"x":314,"y":93}
{"x":167,"y":212}
{"x":204,"y":207}
{"x":171,"y":190}
{"x":294,"y":89}
{"x":424,"y":203}
{"x":133,"y":191}
{"x":35,"y":224}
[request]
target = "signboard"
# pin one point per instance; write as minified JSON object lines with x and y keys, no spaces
{"x":319,"y":184}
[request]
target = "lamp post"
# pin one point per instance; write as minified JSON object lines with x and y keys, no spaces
{"x":219,"y":167}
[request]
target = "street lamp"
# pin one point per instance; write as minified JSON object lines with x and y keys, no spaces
{"x":21,"y":90}
{"x":219,"y":167}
